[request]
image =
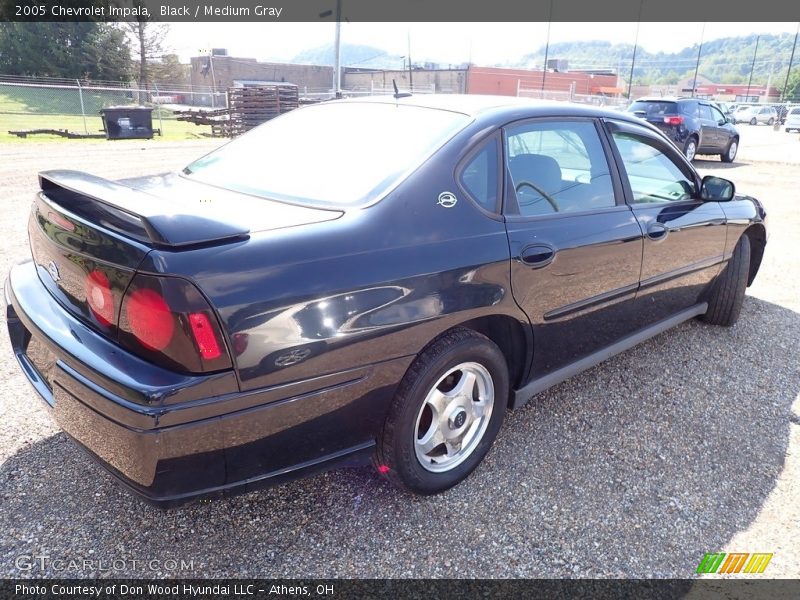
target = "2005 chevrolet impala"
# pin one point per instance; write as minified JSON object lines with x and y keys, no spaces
{"x":363,"y":280}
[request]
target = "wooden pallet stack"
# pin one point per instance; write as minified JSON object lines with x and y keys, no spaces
{"x":218,"y":119}
{"x":251,"y":106}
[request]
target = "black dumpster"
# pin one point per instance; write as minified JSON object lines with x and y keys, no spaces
{"x":127,"y":122}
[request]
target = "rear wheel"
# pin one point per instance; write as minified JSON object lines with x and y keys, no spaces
{"x":753,"y":121}
{"x":771,"y":121}
{"x":730,"y":152}
{"x":445,"y":415}
{"x":727,"y":295}
{"x":690,"y":149}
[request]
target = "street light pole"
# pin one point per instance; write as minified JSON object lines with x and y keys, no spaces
{"x":752,"y":67}
{"x":697,"y":65}
{"x":791,"y":61}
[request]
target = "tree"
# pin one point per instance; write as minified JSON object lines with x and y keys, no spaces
{"x":169,"y":71}
{"x":110,"y":55}
{"x":793,"y":87}
{"x":148,"y":45}
{"x":68,"y":50}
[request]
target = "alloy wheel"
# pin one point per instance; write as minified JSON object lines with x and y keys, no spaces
{"x":454,"y":417}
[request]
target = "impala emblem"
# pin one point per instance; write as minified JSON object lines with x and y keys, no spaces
{"x":52,"y":268}
{"x":447,"y":200}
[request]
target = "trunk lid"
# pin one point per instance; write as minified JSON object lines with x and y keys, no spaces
{"x":88,"y":235}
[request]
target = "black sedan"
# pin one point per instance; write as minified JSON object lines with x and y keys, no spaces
{"x":363,"y":280}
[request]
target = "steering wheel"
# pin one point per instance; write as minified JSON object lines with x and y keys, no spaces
{"x":539,"y":191}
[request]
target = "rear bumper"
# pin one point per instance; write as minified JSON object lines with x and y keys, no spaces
{"x":171,"y":437}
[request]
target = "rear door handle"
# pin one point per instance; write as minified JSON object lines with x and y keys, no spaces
{"x":538,"y":255}
{"x":657,"y":231}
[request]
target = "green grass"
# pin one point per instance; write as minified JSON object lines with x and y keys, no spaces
{"x":172,"y":129}
{"x":55,"y":108}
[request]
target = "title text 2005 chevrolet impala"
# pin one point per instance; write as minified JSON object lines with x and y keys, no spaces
{"x":374,"y":279}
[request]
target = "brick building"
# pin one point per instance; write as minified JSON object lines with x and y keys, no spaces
{"x":221,"y":71}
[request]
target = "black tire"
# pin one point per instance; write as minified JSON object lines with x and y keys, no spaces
{"x":396,"y":457}
{"x":753,"y":121}
{"x":690,"y":148}
{"x":727,"y":295}
{"x":730,"y":152}
{"x":771,"y":121}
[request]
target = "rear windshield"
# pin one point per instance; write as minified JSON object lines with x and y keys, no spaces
{"x":795,"y":111}
{"x":653,"y":108}
{"x":330,"y":154}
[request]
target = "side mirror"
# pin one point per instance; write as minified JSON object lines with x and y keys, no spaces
{"x":716,"y":189}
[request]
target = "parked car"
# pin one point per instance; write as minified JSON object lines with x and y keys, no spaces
{"x":363,"y":280}
{"x":740,"y":112}
{"x":757,"y":114}
{"x":793,"y":119}
{"x":695,"y":126}
{"x":726,"y":109}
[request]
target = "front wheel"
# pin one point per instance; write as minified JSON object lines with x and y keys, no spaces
{"x":753,"y":121}
{"x":727,"y":295}
{"x":445,"y":415}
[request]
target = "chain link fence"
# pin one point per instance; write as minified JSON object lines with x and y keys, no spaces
{"x":614,"y":102}
{"x":72,"y":104}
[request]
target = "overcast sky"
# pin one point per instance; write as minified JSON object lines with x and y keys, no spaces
{"x":483,"y":43}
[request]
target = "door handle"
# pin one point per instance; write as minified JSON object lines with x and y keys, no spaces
{"x":657,"y":231}
{"x":538,"y":255}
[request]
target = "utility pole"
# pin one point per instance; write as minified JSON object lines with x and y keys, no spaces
{"x":752,"y":67}
{"x":635,"y":46}
{"x":547,"y":44}
{"x":410,"y":72}
{"x":337,"y":58}
{"x":697,"y":65}
{"x":789,"y":70}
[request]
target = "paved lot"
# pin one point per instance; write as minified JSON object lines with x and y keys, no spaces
{"x":687,"y":444}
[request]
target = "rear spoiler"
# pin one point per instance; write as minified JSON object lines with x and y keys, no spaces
{"x":133,"y":213}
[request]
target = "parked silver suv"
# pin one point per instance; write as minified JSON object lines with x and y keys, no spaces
{"x":756,"y":114}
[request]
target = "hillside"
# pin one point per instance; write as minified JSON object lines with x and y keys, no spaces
{"x":353,"y":55}
{"x":726,"y":60}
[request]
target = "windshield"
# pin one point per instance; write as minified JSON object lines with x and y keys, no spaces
{"x":337,"y":154}
{"x":652,"y":108}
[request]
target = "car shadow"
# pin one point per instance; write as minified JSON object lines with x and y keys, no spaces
{"x":713,"y":164}
{"x":635,"y":468}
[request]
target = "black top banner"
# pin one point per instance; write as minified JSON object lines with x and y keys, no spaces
{"x":401,"y":11}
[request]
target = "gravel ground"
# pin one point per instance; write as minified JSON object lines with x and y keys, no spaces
{"x":684,"y":445}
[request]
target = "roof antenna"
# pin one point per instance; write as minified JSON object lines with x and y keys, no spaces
{"x":397,"y":93}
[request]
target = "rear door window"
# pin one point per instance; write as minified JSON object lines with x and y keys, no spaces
{"x":690,"y":108}
{"x":558,"y":167}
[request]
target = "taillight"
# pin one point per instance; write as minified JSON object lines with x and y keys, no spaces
{"x":167,"y":321}
{"x":150,"y":319}
{"x":673,"y":120}
{"x":99,"y":297}
{"x":204,"y":336}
